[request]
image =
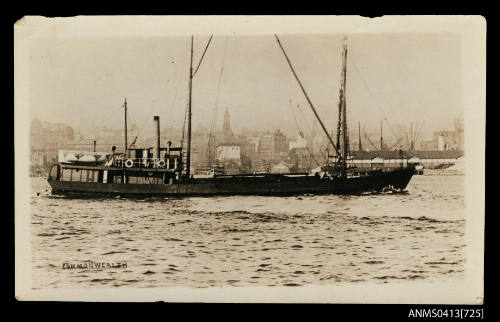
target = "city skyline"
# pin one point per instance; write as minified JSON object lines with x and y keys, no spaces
{"x":372,"y":136}
{"x":393,"y":81}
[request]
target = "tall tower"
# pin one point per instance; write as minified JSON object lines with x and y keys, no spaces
{"x":227,"y":123}
{"x":226,"y":128}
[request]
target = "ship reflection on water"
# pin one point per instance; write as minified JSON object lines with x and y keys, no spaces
{"x":250,"y":240}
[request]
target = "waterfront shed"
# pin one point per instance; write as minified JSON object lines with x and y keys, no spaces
{"x":280,"y":168}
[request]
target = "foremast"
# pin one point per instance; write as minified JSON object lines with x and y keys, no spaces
{"x":190,"y":99}
{"x":343,"y":146}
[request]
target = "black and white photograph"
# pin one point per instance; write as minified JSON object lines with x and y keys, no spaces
{"x":311,"y":159}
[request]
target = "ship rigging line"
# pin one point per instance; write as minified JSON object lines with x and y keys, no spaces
{"x":314,"y":124}
{"x":305,"y":94}
{"x":369,"y":140}
{"x":203,"y":55}
{"x":302,"y":134}
{"x":373,"y":96}
{"x":214,"y":116}
{"x":97,"y":124}
{"x":312,"y":132}
{"x":213,"y":122}
{"x":186,"y":115}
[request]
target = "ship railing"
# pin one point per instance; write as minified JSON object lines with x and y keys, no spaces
{"x":156,"y":163}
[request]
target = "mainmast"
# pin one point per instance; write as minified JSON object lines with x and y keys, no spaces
{"x":342,"y":120}
{"x":188,"y":156}
{"x":345,"y":139}
{"x":339,"y":123}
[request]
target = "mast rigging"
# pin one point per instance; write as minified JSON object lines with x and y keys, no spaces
{"x":305,"y":94}
{"x":211,"y":134}
{"x":381,"y":138}
{"x":342,"y":103}
{"x":203,"y":55}
{"x":190,"y":98}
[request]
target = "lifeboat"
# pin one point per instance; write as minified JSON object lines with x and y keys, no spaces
{"x":70,"y":157}
{"x":87,"y":158}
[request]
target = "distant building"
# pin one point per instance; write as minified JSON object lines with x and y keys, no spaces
{"x":273,"y":146}
{"x":227,"y":133}
{"x":392,"y":159}
{"x":444,"y":140}
{"x":301,"y":159}
{"x":45,"y":141}
{"x":300,"y":142}
{"x":281,"y":168}
{"x":199,"y":149}
{"x":266,"y":147}
{"x":280,"y":142}
{"x":228,"y":153}
{"x":254,"y":143}
{"x":449,"y":140}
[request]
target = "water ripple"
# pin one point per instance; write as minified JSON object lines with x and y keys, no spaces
{"x":267,"y":241}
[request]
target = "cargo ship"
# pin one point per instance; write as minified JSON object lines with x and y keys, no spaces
{"x":166,"y":170}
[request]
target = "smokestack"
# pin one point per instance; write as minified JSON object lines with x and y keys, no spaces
{"x":156,"y":146}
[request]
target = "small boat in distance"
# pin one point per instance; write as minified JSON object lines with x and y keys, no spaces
{"x":166,"y":170}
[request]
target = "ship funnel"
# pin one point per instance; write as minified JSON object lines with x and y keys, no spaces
{"x":156,"y":145}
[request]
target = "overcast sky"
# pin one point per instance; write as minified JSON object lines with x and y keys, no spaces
{"x":396,"y":77}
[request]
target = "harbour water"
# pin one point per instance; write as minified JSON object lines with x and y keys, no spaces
{"x":250,"y":240}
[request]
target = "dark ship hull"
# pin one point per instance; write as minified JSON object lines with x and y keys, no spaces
{"x":244,"y":185}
